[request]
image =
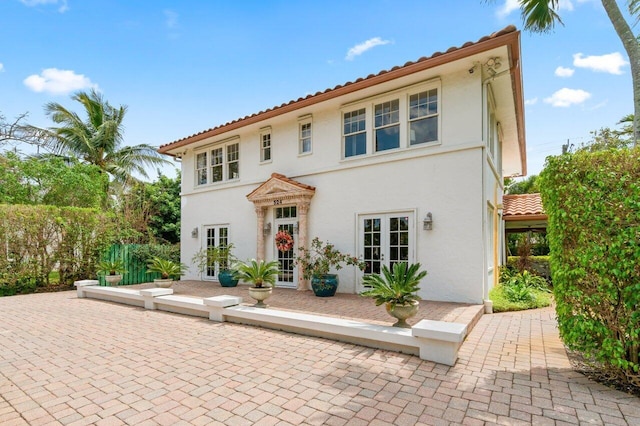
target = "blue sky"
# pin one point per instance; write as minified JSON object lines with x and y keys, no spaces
{"x":185,"y":66}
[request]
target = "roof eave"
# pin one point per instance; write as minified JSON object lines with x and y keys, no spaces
{"x":510,"y":39}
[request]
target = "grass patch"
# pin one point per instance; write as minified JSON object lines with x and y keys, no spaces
{"x":501,"y":303}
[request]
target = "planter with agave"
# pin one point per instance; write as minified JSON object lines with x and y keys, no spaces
{"x":169,"y":271}
{"x":318,"y":261}
{"x":112,"y":271}
{"x":397,"y":289}
{"x":262,"y":275}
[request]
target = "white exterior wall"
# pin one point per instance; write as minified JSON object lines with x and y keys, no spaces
{"x":449,"y":179}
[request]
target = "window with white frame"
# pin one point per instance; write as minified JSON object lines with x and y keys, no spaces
{"x":423,"y":117}
{"x":355,"y":133}
{"x":233,"y":161}
{"x":265,"y":145}
{"x":218,"y":164}
{"x":492,"y":125}
{"x":217,"y":167}
{"x":304,"y":136}
{"x":490,"y":239}
{"x":201,"y":168}
{"x":387,"y":125}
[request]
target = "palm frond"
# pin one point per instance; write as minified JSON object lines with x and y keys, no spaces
{"x":540,"y":16}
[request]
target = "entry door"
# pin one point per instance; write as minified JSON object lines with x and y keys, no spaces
{"x":286,"y":220}
{"x":386,"y":239}
{"x":287,"y":271}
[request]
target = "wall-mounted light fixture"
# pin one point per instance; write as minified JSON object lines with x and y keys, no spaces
{"x":266,"y":230}
{"x":295,"y":228}
{"x":427,"y":222}
{"x":194,"y":233}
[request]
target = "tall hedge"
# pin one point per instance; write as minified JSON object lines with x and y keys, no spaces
{"x":36,"y":240}
{"x":593,"y":204}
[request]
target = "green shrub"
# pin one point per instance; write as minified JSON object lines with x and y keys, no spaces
{"x":519,"y":290}
{"x":501,"y":302}
{"x":38,"y":239}
{"x":144,"y":252}
{"x":593,"y":204}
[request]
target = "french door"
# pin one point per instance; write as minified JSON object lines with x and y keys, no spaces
{"x":386,"y":239}
{"x":216,"y":236}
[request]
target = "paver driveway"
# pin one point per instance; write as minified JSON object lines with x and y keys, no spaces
{"x":65,"y":360}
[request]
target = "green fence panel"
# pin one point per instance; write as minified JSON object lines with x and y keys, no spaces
{"x":136,"y":270}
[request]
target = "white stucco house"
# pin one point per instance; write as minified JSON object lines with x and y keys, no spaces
{"x":403,"y":165}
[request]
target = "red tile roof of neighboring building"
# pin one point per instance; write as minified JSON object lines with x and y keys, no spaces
{"x":507,"y":36}
{"x":522,"y":207}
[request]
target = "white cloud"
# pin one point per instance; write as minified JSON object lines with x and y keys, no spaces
{"x":564,"y":72}
{"x":610,"y":63}
{"x":508,"y":7}
{"x":32,"y":3}
{"x":531,"y":101}
{"x":511,"y":5}
{"x":567,"y":97}
{"x":55,"y":81}
{"x":565,"y":5}
{"x":1,"y":67}
{"x":171,"y":18}
{"x":359,"y":49}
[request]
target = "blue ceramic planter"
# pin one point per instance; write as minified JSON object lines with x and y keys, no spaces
{"x":324,"y":285}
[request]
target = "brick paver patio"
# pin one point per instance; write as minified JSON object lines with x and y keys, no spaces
{"x":65,"y":360}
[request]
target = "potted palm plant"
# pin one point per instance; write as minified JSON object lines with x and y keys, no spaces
{"x":397,"y":289}
{"x":261,"y":274}
{"x":168,"y":270}
{"x":319,"y":260}
{"x":112,"y":270}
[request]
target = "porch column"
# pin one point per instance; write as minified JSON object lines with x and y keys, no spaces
{"x":260,"y":212}
{"x":303,"y":209}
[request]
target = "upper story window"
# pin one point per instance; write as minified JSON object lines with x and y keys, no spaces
{"x":218,"y":164}
{"x":217,"y":167}
{"x":355,"y":132}
{"x":304,"y":136}
{"x":233,"y":161}
{"x":493,"y":126}
{"x":387,"y":125}
{"x":408,"y":117}
{"x":265,"y":145}
{"x":201,"y":168}
{"x":423,"y":117}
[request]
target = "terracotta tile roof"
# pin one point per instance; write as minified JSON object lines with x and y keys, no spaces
{"x":282,"y":178}
{"x":292,"y":182}
{"x":507,"y":36}
{"x":522,"y":207}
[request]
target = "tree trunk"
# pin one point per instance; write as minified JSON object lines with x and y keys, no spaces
{"x":631,"y":45}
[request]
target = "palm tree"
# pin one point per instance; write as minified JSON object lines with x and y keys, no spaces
{"x":97,"y":139}
{"x":541,"y":16}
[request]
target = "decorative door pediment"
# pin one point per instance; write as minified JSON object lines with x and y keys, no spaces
{"x":279,"y":189}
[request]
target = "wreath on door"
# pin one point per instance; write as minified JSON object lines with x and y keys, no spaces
{"x":284,"y":241}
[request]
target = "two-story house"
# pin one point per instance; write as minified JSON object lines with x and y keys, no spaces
{"x":404,"y":165}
